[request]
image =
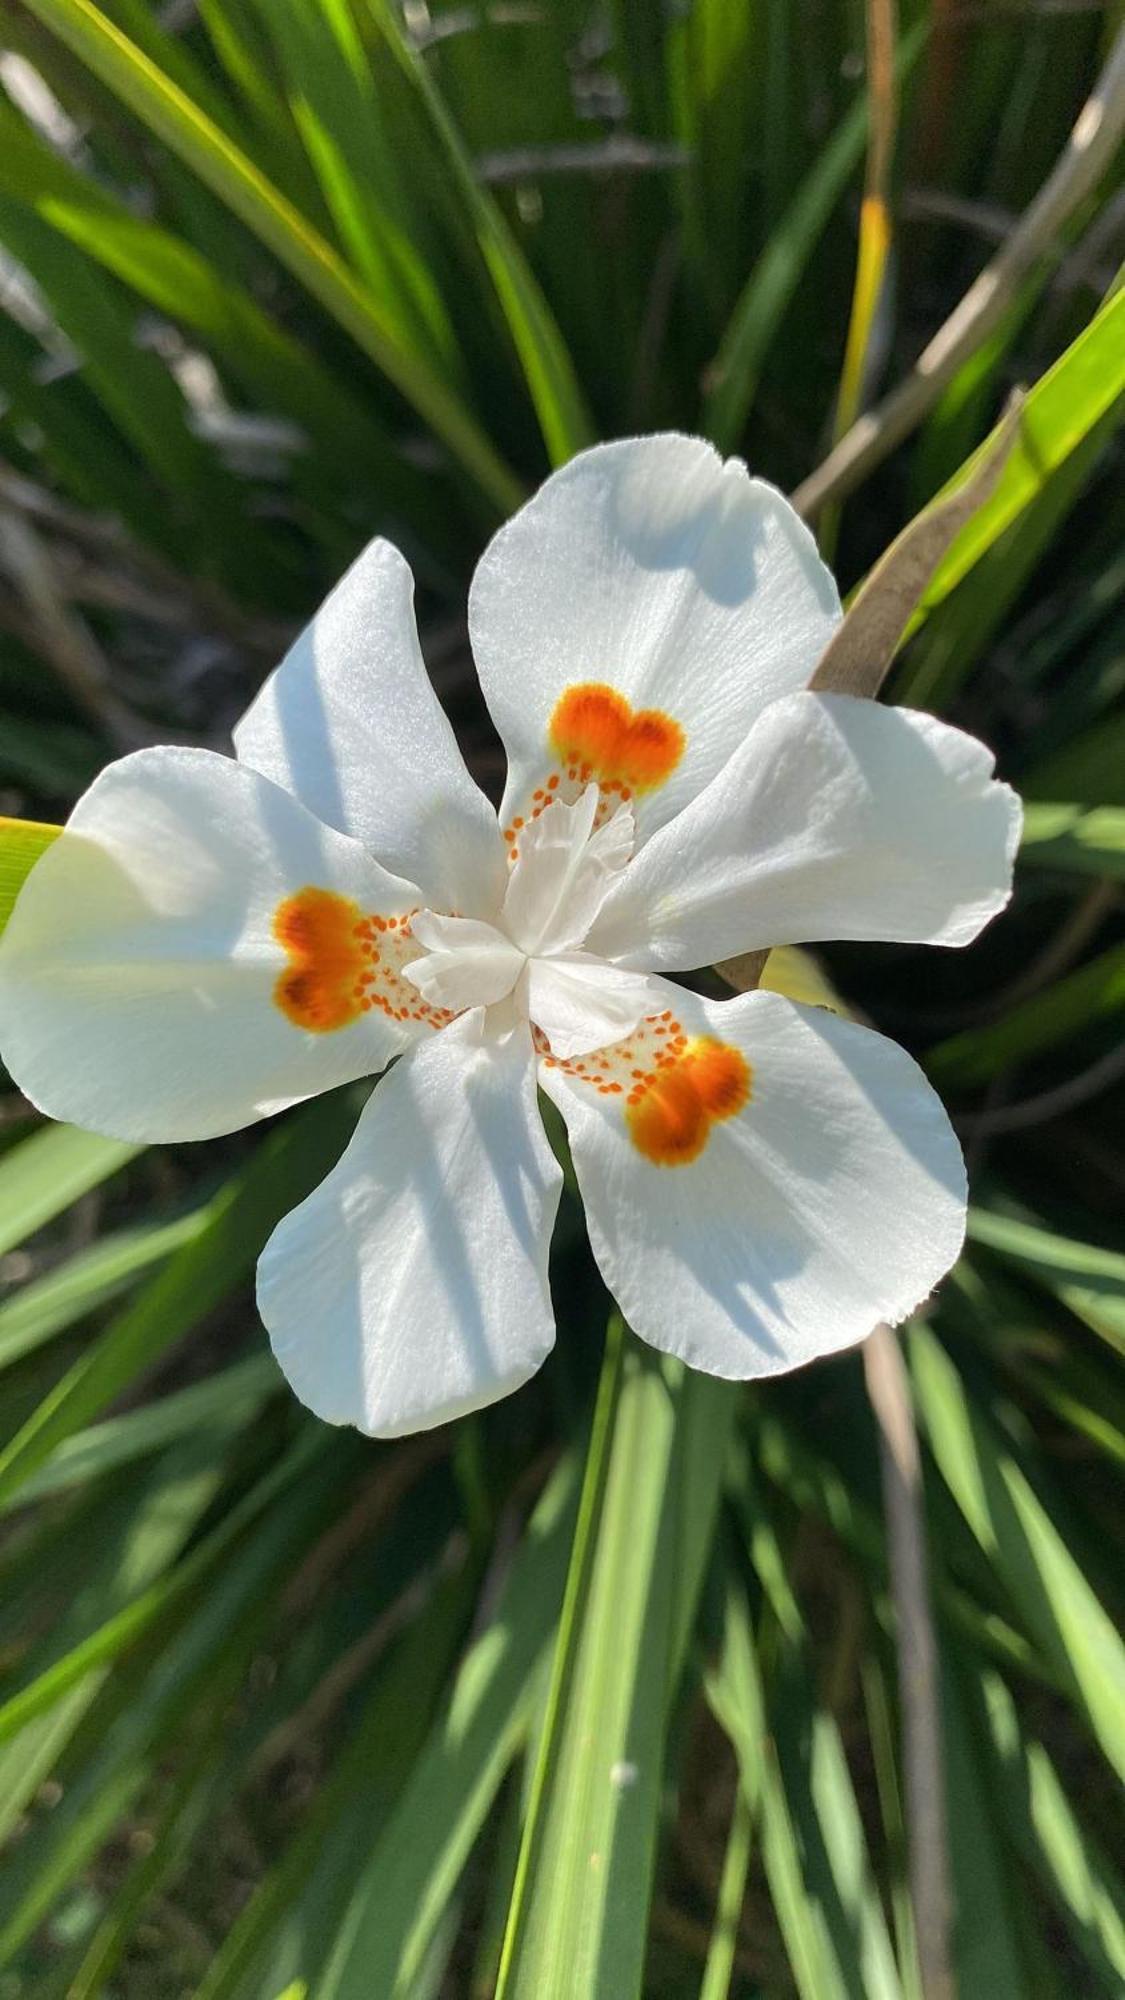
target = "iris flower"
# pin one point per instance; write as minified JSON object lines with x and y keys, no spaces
{"x":213,"y":939}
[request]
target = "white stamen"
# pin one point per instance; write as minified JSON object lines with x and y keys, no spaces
{"x":529,"y":957}
{"x":466,"y":964}
{"x":563,"y":874}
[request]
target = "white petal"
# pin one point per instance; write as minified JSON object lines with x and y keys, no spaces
{"x":837,"y":819}
{"x":412,"y":1285}
{"x":466,"y":964}
{"x":139,"y":967}
{"x":651,"y":567}
{"x":835,"y":1198}
{"x":581,"y":1003}
{"x":350,"y":724}
{"x":563,"y":872}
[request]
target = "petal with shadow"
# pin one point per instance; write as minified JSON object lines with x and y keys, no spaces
{"x":411,"y":1287}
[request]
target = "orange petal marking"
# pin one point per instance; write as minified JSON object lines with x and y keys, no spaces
{"x":321,"y":934}
{"x":670,"y":1116}
{"x":345,"y":962}
{"x":595,"y":732}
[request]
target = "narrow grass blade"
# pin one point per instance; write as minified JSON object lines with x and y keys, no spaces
{"x":203,"y":1657}
{"x":885,"y":1743}
{"x":987,"y":1927}
{"x":719,"y":1969}
{"x":118,"y":1633}
{"x":118,"y":1544}
{"x":137,"y":391}
{"x":821,"y":1803}
{"x":1017,"y":1534}
{"x":42,"y":1175}
{"x":172,"y":275}
{"x":220,"y":1405}
{"x":226,"y":169}
{"x":196,"y":1278}
{"x":578,"y":1922}
{"x":288,"y":1928}
{"x":734,"y":1690}
{"x":414,"y":1864}
{"x":876,"y":231}
{"x":78,"y":1286}
{"x":837,"y":1870}
{"x":1038,"y":1349}
{"x":1046,"y":1829}
{"x":547,"y":366}
{"x":959,"y":632}
{"x":1088,"y":1279}
{"x":336,"y":104}
{"x":1078,"y":839}
{"x":1059,"y":412}
{"x":733,"y":376}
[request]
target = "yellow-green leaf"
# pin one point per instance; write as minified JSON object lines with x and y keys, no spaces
{"x":22,"y":841}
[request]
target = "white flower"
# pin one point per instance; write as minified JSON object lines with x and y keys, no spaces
{"x":214,"y":939}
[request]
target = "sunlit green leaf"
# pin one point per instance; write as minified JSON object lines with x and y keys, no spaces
{"x":75,"y":1287}
{"x":44,"y":1174}
{"x":1089,"y":1280}
{"x":579,"y":1912}
{"x":1017,"y":1534}
{"x":204,"y":1271}
{"x":1090,"y":841}
{"x":1060,"y":411}
{"x":547,"y":366}
{"x":22,"y":841}
{"x":1047,"y":1828}
{"x":413,"y":1865}
{"x":225,"y":168}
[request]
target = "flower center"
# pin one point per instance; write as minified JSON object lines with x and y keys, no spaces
{"x":530,"y":956}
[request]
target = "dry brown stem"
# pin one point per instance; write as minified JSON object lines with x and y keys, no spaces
{"x":1088,"y":152}
{"x":889,"y":1390}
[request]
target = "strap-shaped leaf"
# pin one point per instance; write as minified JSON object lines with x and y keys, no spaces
{"x":250,"y":195}
{"x":577,"y":1928}
{"x":22,"y":841}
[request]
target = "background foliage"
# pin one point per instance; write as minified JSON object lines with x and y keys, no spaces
{"x":596,"y":1694}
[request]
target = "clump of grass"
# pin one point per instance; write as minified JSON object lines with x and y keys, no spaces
{"x":286,"y":1712}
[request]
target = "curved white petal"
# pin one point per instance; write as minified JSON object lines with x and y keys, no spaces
{"x":350,"y":724}
{"x":836,"y":819}
{"x":411,"y":1287}
{"x":139,"y":969}
{"x":654,"y":568}
{"x":833,"y":1199}
{"x":581,"y":1003}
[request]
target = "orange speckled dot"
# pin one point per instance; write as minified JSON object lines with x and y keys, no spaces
{"x":670,"y":1116}
{"x":595,"y":732}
